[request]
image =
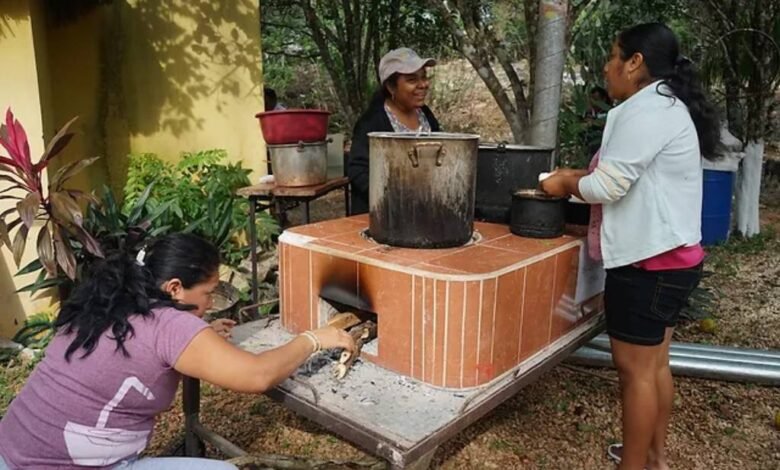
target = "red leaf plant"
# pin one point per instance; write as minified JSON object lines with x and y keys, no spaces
{"x":57,"y":206}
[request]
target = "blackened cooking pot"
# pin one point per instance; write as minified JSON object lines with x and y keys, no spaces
{"x":421,"y":188}
{"x":535,"y":214}
{"x":503,"y":169}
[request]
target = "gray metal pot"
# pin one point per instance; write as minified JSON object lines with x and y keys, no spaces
{"x":422,"y":188}
{"x":301,"y":164}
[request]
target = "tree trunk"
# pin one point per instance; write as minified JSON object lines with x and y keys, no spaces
{"x":548,"y":71}
{"x":748,"y":189}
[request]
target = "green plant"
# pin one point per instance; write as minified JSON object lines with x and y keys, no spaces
{"x":579,"y":133}
{"x":112,"y":228}
{"x":199,"y":195}
{"x":57,"y":207}
{"x":37,"y":331}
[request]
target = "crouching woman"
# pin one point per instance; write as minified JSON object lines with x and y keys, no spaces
{"x":124,"y":338}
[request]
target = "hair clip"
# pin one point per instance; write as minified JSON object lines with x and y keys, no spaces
{"x":139,"y":258}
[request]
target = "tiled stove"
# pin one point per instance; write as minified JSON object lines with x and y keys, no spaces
{"x":453,"y":318}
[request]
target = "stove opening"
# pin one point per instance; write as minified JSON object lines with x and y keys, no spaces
{"x":348,"y":317}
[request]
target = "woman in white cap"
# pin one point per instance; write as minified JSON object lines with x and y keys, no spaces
{"x":398,"y":106}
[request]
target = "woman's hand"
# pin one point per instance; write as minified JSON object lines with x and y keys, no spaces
{"x":331,"y":337}
{"x":555,"y":185}
{"x":223,"y":326}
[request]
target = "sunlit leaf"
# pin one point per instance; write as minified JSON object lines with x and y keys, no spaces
{"x":64,"y":254}
{"x":20,"y":241}
{"x":57,"y":143}
{"x":31,"y":267}
{"x":4,"y":238}
{"x":65,"y":208}
{"x":46,"y":250}
{"x":28,"y":208}
{"x":67,"y":171}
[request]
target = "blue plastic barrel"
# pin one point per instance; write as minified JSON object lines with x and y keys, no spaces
{"x":716,"y":206}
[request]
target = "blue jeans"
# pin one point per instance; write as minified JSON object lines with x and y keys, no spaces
{"x":164,"y":463}
{"x":174,"y":463}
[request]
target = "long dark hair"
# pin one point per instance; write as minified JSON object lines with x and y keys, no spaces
{"x":120,"y":286}
{"x":383,"y":92}
{"x":661,"y":51}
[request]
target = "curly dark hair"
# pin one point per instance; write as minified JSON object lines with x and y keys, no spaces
{"x":118,"y":287}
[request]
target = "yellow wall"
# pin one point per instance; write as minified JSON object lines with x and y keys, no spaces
{"x":143,"y":76}
{"x":187,"y":76}
{"x":23,"y":56}
{"x":73,"y":56}
{"x":159,"y":77}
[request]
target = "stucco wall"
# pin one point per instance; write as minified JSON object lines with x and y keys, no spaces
{"x":160,"y":77}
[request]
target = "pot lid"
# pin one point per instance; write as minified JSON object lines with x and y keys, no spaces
{"x":499,"y":146}
{"x":423,"y":135}
{"x":535,"y":194}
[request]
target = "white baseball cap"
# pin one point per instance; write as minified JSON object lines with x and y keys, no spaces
{"x":401,"y":60}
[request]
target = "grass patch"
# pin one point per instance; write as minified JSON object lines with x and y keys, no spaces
{"x":12,"y":378}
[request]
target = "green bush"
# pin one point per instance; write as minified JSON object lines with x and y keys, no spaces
{"x":199,"y":194}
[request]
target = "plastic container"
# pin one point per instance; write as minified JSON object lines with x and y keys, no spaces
{"x":291,"y":126}
{"x":716,"y":206}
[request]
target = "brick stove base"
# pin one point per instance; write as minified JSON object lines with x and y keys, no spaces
{"x":453,"y":318}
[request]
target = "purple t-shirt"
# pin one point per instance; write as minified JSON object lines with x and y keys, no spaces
{"x":101,"y":409}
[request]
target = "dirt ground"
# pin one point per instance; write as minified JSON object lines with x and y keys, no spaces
{"x":566,"y":419}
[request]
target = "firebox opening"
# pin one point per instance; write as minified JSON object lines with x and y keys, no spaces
{"x":329,"y":309}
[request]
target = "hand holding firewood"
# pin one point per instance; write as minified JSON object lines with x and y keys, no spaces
{"x":331,"y":337}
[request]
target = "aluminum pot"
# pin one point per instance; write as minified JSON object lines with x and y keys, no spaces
{"x":537,"y":215}
{"x":421,"y":188}
{"x":301,"y":164}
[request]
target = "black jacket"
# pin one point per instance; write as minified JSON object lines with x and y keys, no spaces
{"x":373,"y":120}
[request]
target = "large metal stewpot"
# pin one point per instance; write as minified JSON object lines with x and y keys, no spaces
{"x":421,"y":188}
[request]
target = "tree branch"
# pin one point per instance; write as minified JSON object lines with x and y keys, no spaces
{"x":466,"y":38}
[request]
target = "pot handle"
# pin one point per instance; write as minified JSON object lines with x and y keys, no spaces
{"x":427,"y":150}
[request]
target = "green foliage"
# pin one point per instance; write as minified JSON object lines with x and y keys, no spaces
{"x":198,"y":195}
{"x":37,"y":331}
{"x":112,"y":228}
{"x":599,"y":22}
{"x":580,"y":131}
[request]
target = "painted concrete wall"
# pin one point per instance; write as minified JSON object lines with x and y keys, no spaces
{"x":143,"y":76}
{"x":159,"y":77}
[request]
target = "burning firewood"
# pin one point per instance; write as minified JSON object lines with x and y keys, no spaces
{"x":362,"y":334}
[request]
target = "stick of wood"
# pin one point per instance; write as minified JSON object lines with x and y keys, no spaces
{"x":362,"y":334}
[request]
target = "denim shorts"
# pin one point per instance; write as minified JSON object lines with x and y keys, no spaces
{"x":641,"y":304}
